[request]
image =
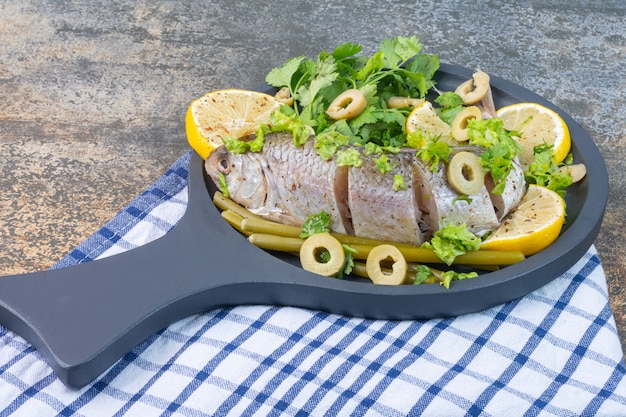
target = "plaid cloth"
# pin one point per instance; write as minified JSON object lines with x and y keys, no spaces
{"x":554,"y":352}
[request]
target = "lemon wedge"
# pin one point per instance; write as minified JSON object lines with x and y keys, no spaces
{"x":424,"y":117}
{"x":226,"y":113}
{"x":537,"y":124}
{"x":532,"y":226}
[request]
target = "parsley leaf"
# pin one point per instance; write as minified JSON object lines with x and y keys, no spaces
{"x":396,"y":68}
{"x":434,"y":151}
{"x":451,"y":241}
{"x":451,"y":105}
{"x":283,"y":76}
{"x":449,"y":276}
{"x":315,"y":223}
{"x":348,"y":265}
{"x":398,"y":183}
{"x":383,"y":164}
{"x":501,"y":148}
{"x":350,"y":157}
{"x":544,"y":171}
{"x":423,"y":274}
{"x":223,"y":184}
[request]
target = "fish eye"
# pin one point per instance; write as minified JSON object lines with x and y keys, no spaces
{"x":223,"y":164}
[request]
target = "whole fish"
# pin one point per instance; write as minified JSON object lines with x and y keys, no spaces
{"x":286,"y":184}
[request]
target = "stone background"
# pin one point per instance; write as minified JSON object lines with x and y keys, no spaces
{"x":93,"y":94}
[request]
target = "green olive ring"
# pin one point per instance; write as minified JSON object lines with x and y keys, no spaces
{"x":397,"y":102}
{"x":311,"y":255}
{"x":474,"y":89}
{"x":576,"y":171}
{"x":459,"y":124}
{"x":283,"y":96}
{"x":347,"y":105}
{"x":376,"y":265}
{"x":465,"y":174}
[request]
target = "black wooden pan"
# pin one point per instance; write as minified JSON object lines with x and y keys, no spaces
{"x":84,"y":318}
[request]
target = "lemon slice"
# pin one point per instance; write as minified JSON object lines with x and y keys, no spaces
{"x":537,"y":124}
{"x":226,"y":113}
{"x":424,"y":117}
{"x":532,"y":226}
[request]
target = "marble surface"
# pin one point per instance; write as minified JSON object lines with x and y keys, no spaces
{"x":93,"y":94}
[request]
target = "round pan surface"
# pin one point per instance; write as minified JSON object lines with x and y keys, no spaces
{"x":84,"y":318}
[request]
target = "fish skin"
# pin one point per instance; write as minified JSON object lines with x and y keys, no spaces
{"x":285,"y":183}
{"x":444,"y":205}
{"x":379,"y":212}
{"x":513,"y":191}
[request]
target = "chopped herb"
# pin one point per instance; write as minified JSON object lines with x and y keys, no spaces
{"x":350,"y":157}
{"x":240,"y":146}
{"x":223,"y":184}
{"x":328,"y":142}
{"x":445,"y":278}
{"x":383,"y":164}
{"x":285,"y":120}
{"x":544,"y":171}
{"x":349,"y":263}
{"x":434,"y":151}
{"x":315,"y":223}
{"x":398,"y":183}
{"x":423,"y":274}
{"x":500,"y":148}
{"x":235,"y":145}
{"x":449,"y":276}
{"x":451,"y":104}
{"x":463,"y":198}
{"x":451,"y":241}
{"x":373,"y":149}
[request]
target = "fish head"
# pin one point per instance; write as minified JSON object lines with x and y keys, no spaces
{"x":243,"y":173}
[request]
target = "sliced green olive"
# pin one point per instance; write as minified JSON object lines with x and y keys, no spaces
{"x":397,"y":102}
{"x":459,"y":124}
{"x":378,"y":262}
{"x":576,"y":171}
{"x":475,"y":89}
{"x":284,"y":96}
{"x":465,"y":174}
{"x":322,"y":254}
{"x":347,"y":105}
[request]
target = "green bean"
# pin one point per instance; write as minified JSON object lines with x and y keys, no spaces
{"x":489,"y":258}
{"x":411,"y":254}
{"x":234,"y":220}
{"x":359,"y":269}
{"x":225,"y":203}
{"x":261,"y":225}
{"x":255,"y":225}
{"x":278,"y":243}
{"x":269,"y":233}
{"x":366,"y":241}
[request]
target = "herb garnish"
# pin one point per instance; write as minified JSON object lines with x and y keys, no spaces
{"x":500,"y":148}
{"x":397,"y":68}
{"x":451,"y":241}
{"x":544,"y":171}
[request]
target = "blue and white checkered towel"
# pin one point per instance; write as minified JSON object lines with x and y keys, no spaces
{"x":554,"y":352}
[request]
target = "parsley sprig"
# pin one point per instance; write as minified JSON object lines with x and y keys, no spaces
{"x":397,"y":68}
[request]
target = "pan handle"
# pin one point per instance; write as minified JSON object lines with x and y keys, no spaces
{"x":83,"y":318}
